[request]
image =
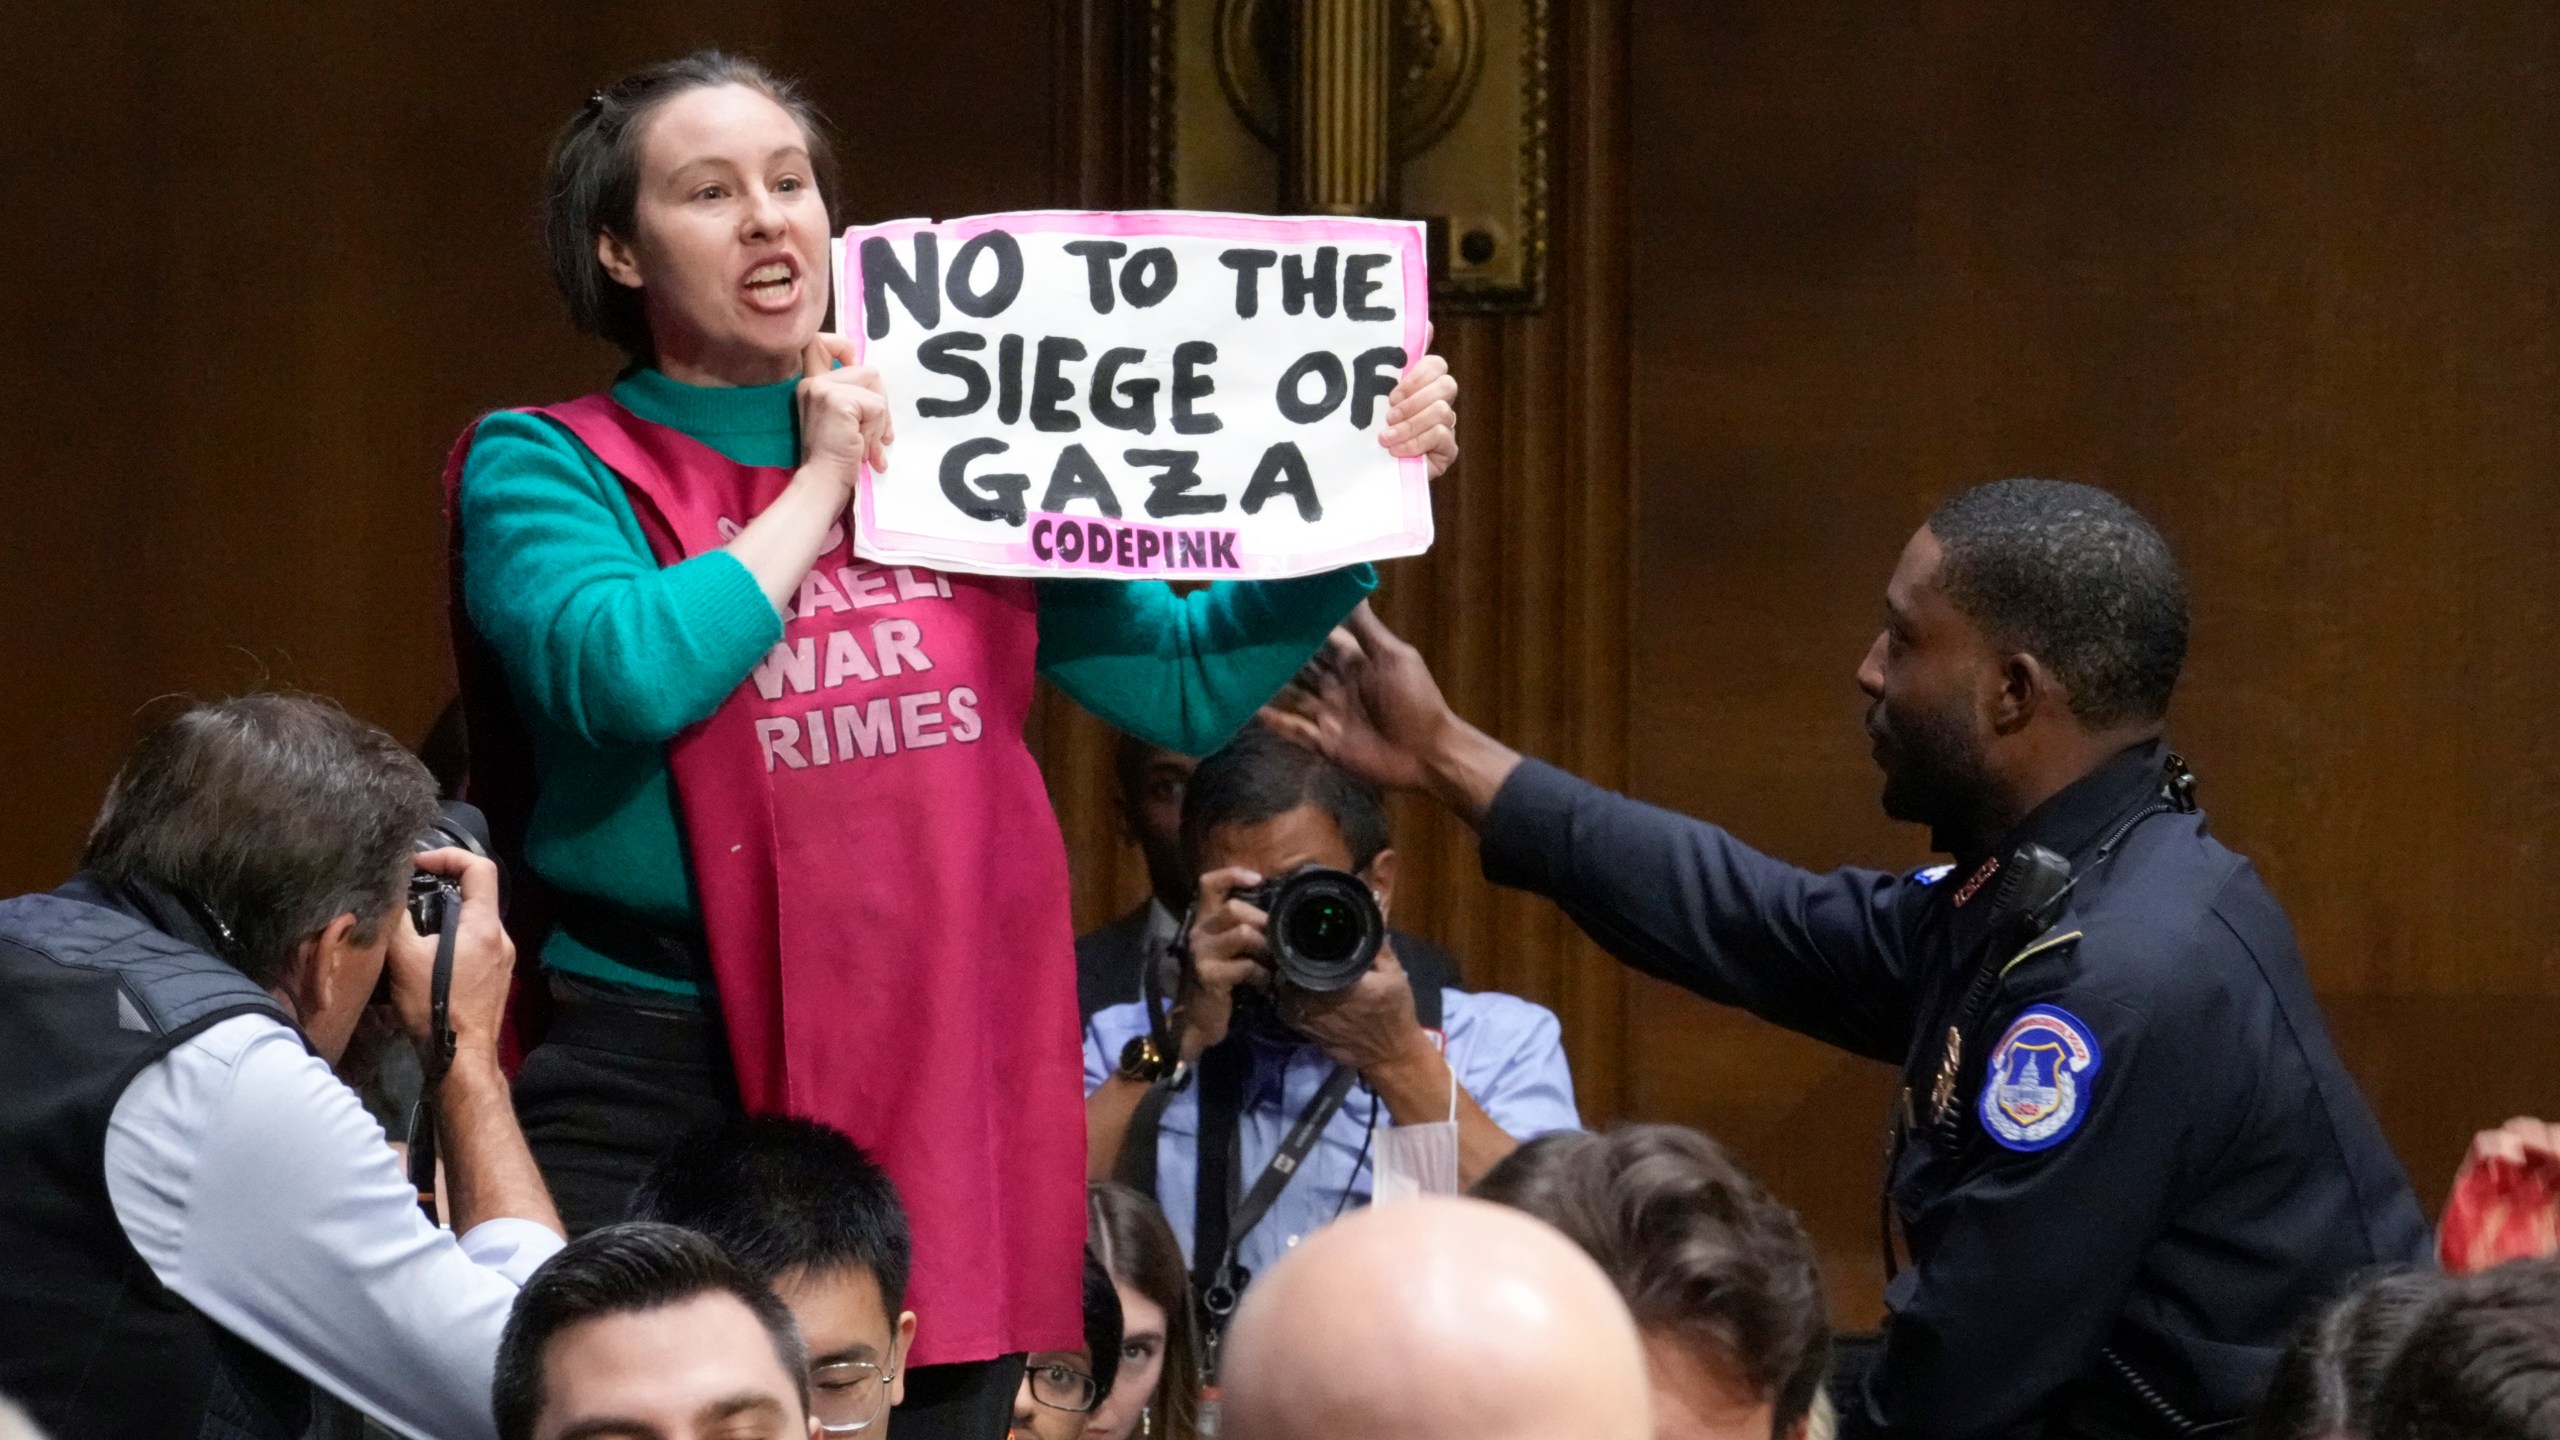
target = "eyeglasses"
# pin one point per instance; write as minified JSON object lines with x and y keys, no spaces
{"x":1061,"y":1386}
{"x":847,"y":1395}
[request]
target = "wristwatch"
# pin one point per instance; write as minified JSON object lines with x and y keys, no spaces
{"x":1142,"y":1062}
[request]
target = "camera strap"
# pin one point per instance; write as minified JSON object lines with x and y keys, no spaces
{"x":439,"y":1057}
{"x":1221,"y":1220}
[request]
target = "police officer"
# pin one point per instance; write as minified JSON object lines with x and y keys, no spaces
{"x":2126,"y":1159}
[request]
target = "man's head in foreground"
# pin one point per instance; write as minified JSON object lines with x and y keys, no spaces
{"x":2323,"y":1385}
{"x":1432,"y":1318}
{"x":2033,"y":628}
{"x":1719,"y":1277}
{"x":800,"y":1208}
{"x":648,"y":1332}
{"x":2483,"y":1362}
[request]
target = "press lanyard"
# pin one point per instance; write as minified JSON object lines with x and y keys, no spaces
{"x":1221,"y":1285}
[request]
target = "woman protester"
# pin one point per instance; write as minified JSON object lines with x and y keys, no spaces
{"x":873,"y":932}
{"x":1157,"y":1394}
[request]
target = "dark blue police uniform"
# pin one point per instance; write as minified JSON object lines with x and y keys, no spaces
{"x":2126,"y":1158}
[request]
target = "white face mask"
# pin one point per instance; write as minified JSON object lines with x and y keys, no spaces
{"x":1419,"y":1160}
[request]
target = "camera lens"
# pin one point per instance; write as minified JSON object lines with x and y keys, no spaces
{"x":1324,"y":930}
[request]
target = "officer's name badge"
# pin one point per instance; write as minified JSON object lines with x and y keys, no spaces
{"x":2040,"y":1079}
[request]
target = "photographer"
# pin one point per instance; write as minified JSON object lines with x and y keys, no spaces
{"x":200,"y":1221}
{"x":1377,"y":1075}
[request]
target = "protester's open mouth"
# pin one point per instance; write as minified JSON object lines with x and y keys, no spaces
{"x":773,"y":285}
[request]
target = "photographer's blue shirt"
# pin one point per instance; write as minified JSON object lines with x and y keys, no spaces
{"x":1507,"y":1052}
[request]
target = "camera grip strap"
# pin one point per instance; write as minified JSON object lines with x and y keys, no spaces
{"x":441,"y":1045}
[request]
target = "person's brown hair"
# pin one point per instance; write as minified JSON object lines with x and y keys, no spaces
{"x":2323,"y":1385}
{"x":1696,"y":1248}
{"x":1137,"y":1247}
{"x":595,"y":181}
{"x":270,"y":816}
{"x":2483,"y":1362}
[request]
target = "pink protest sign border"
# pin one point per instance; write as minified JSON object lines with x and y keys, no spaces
{"x":873,"y":541}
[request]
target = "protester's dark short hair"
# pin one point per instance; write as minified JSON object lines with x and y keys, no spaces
{"x":1102,"y":1323}
{"x":2483,"y":1363}
{"x":2324,"y":1383}
{"x":1697,"y":1249}
{"x":622,"y":1270}
{"x":781,"y":1194}
{"x":2077,"y":578}
{"x":270,"y":816}
{"x":595,"y":180}
{"x":1259,"y":775}
{"x":1137,"y":1248}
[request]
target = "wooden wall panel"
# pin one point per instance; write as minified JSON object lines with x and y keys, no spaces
{"x":267,"y":259}
{"x":2280,"y":274}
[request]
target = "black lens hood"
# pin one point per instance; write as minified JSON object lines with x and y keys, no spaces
{"x":1325,"y":929}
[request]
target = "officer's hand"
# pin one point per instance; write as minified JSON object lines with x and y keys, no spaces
{"x":1366,"y":702}
{"x":484,"y":959}
{"x":1368,"y":1025}
{"x":1226,"y":949}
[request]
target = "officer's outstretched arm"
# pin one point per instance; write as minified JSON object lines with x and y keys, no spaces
{"x":1821,"y":954}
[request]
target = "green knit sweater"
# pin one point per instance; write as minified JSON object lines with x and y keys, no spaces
{"x":608,"y":655}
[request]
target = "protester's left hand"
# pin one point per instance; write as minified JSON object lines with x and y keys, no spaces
{"x":1422,"y":414}
{"x":1368,"y":1025}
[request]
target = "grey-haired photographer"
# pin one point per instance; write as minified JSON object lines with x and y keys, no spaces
{"x":201,"y":1222}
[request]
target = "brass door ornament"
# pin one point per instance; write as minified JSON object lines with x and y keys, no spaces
{"x":1433,"y":109}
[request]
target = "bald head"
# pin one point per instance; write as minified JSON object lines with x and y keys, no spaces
{"x":1435,"y":1318}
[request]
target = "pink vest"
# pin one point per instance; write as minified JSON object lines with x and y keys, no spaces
{"x":885,"y":892}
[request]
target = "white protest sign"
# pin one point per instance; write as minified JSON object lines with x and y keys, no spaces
{"x":1163,"y":393}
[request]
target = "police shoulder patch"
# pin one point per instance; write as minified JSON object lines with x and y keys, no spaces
{"x":2041,"y":1079}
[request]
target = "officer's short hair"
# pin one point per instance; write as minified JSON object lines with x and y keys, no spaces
{"x":780,"y":1193}
{"x":624,"y":1269}
{"x":1258,"y":776}
{"x":1696,"y":1248}
{"x":2324,"y":1383}
{"x":2482,"y":1364}
{"x":269,"y":816}
{"x":2077,"y":578}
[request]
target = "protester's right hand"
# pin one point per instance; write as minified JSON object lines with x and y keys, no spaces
{"x":1226,"y":941}
{"x":1366,"y":702}
{"x":484,"y":960}
{"x":844,"y":413}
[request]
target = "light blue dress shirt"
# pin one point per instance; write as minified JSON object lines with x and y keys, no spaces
{"x":1508,"y":1055}
{"x":255,"y":1185}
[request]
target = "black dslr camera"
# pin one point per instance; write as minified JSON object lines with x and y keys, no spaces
{"x":457,"y":826}
{"x":1325,"y":927}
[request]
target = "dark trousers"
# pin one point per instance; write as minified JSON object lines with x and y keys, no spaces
{"x":960,"y":1402}
{"x":612,"y":1085}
